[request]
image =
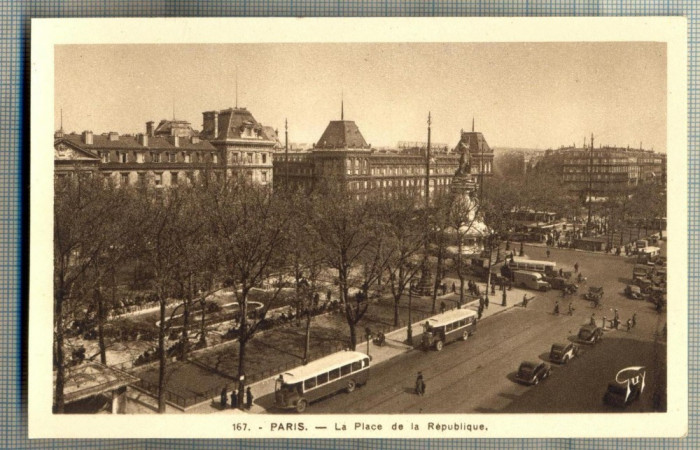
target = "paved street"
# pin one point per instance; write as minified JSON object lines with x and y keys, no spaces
{"x":477,"y":376}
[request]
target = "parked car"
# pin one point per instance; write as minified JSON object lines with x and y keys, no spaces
{"x":633,"y":292}
{"x":590,"y":334}
{"x":532,"y":372}
{"x":618,"y":394}
{"x":562,"y":353}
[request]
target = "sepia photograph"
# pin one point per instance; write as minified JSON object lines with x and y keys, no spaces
{"x":386,"y":237}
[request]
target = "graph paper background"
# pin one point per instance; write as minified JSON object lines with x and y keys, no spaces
{"x":14,"y":80}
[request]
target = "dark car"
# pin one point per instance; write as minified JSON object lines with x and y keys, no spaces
{"x":619,"y":395}
{"x":590,"y":334}
{"x":561,"y":283}
{"x":633,"y":292}
{"x":562,"y":353}
{"x":532,"y":372}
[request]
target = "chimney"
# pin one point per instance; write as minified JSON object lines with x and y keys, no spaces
{"x":150,"y":128}
{"x":216,"y":124}
{"x":175,"y":140}
{"x":195,"y":139}
{"x":87,"y":137}
{"x":113,"y":136}
{"x":143,"y":139}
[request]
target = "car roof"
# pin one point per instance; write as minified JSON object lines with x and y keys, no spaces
{"x":450,"y":316}
{"x":589,"y":327}
{"x":529,"y":364}
{"x":561,"y":344}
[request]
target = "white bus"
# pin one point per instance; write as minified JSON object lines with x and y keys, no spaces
{"x":531,"y":265}
{"x":448,"y":326}
{"x":296,"y":388}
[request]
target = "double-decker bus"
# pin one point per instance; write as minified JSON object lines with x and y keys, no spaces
{"x":448,"y":326}
{"x":298,"y":387}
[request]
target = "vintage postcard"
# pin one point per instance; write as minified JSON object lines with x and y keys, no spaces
{"x":295,"y":228}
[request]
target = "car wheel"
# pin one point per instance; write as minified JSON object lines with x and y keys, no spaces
{"x":465,"y":335}
{"x":351,"y":386}
{"x":536,"y":382}
{"x":565,"y":360}
{"x":301,"y":406}
{"x":438,"y":345}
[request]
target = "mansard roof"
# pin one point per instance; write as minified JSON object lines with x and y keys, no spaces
{"x":342,"y":134}
{"x":129,"y":142}
{"x":473,"y":141}
{"x":232,"y":124}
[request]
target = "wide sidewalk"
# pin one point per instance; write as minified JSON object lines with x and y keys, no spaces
{"x":395,"y":345}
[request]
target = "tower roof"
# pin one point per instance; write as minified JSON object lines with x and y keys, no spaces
{"x":473,"y":141}
{"x":342,"y":134}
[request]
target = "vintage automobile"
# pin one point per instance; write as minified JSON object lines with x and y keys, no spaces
{"x":594,"y":294}
{"x":618,"y":394}
{"x":590,"y":334}
{"x":532,"y":372}
{"x":634,"y":292}
{"x":561,"y":283}
{"x":562,"y":353}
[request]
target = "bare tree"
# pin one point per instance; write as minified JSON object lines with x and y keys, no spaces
{"x":340,"y":223}
{"x":404,"y":238}
{"x":85,"y":211}
{"x":248,"y":225}
{"x":463,"y":215}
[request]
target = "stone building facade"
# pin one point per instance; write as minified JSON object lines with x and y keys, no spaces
{"x":342,"y":154}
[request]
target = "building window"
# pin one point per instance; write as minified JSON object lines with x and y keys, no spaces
{"x":214,"y":158}
{"x":105,"y":157}
{"x":173,"y":178}
{"x":155,"y":157}
{"x":186,"y":157}
{"x":264,"y":158}
{"x":139,"y":157}
{"x":250,"y":158}
{"x":158,"y":179}
{"x":142,"y":177}
{"x":263,"y":176}
{"x":122,"y":157}
{"x":249,"y":174}
{"x":171,"y":157}
{"x":124,"y":179}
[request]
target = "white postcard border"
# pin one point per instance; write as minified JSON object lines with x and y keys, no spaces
{"x":49,"y":32}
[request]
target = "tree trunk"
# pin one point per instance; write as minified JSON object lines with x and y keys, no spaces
{"x":307,"y":344}
{"x":59,"y":357}
{"x":162,"y":359}
{"x":439,"y":271}
{"x":351,"y":324}
{"x":397,"y":299}
{"x":460,"y":274}
{"x":185,"y":326}
{"x":202,"y":330}
{"x":100,"y":326}
{"x":242,"y":341}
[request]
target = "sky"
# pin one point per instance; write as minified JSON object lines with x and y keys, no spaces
{"x":529,"y":95}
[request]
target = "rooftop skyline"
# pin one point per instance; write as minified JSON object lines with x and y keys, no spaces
{"x":531,"y":95}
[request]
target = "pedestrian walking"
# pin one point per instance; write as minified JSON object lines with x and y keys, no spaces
{"x":571,"y":309}
{"x":556,"y":308}
{"x":493,"y":288}
{"x":547,"y":253}
{"x":504,"y":303}
{"x":482,"y":302}
{"x":576,"y":267}
{"x":634,"y":320}
{"x":223,"y":397}
{"x":234,"y":399}
{"x":444,"y":288}
{"x":454,"y":288}
{"x":524,"y":300}
{"x":248,"y":398}
{"x":442,"y":307}
{"x":629,"y":325}
{"x":593,"y":319}
{"x":420,"y":384}
{"x":486,"y":302}
{"x":328,"y":295}
{"x":605,"y":319}
{"x":561,"y":272}
{"x":480,"y":311}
